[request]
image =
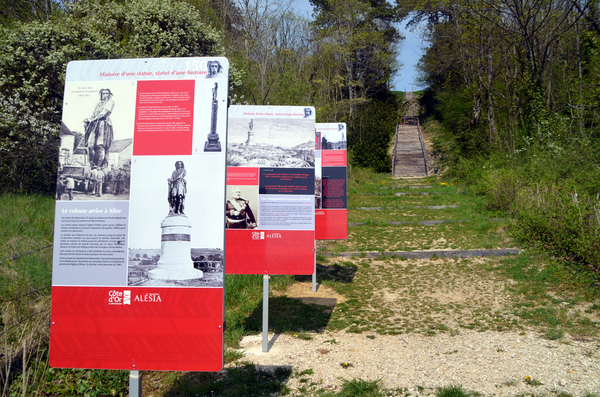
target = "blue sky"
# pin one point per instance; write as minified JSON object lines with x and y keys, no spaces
{"x":410,"y":52}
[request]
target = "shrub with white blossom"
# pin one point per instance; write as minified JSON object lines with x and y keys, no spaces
{"x":33,"y":60}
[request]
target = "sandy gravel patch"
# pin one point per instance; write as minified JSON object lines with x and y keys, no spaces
{"x":492,"y":363}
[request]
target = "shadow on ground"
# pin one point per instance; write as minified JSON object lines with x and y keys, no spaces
{"x":291,"y":315}
{"x":336,"y":273}
{"x":244,"y":380}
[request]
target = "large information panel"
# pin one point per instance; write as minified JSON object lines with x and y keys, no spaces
{"x":270,"y":190}
{"x":139,"y":235}
{"x":331,"y":203}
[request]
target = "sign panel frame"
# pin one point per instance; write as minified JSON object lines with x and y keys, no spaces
{"x":138,"y":262}
{"x":331,"y":202}
{"x":270,"y":190}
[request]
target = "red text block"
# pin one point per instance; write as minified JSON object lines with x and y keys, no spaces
{"x":164,"y":118}
{"x":333,"y":158}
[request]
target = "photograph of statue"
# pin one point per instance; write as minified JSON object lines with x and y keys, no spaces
{"x":177,"y":189}
{"x":212,"y":143}
{"x":99,"y":129}
{"x":95,"y":151}
{"x":215,"y":69}
{"x":177,"y":243}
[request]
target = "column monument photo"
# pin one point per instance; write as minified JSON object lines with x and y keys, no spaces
{"x":212,"y":143}
{"x":175,"y":248}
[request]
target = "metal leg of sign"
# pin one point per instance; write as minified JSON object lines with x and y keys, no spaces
{"x":265,"y":339}
{"x":314,"y":275}
{"x":135,"y":384}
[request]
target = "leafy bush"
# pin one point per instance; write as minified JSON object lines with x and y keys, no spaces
{"x":33,"y":60}
{"x":370,"y":134}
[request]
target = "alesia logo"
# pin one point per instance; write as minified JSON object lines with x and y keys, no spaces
{"x":258,"y":235}
{"x":124,"y":297}
{"x":115,"y":297}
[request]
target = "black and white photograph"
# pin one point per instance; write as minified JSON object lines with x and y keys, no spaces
{"x":210,"y":120}
{"x":241,"y":208}
{"x":96,"y":141}
{"x":317,"y":140}
{"x":333,"y":136}
{"x":175,"y":229}
{"x":215,"y":69}
{"x":270,"y":142}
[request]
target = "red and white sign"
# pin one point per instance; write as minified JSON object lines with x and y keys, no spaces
{"x":270,"y":190}
{"x":331,"y":202}
{"x":138,"y":262}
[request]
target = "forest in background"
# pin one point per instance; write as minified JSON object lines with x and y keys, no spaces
{"x":513,"y":99}
{"x":341,"y":62}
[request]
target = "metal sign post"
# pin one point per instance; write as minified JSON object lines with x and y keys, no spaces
{"x":265,"y":339}
{"x":314,"y":275}
{"x":135,"y":384}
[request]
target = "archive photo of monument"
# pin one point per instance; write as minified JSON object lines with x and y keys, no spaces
{"x":174,"y":234}
{"x":96,"y":142}
{"x":267,"y":142}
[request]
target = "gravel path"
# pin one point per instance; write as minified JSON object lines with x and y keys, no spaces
{"x":491,"y":363}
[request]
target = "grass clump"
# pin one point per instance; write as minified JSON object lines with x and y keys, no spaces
{"x":454,"y":391}
{"x":531,"y":381}
{"x":360,"y":388}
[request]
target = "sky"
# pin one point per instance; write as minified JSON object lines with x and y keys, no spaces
{"x":410,"y":52}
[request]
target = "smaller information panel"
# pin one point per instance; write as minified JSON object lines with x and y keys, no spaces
{"x":139,"y":236}
{"x":331,"y":203}
{"x":269,"y":211}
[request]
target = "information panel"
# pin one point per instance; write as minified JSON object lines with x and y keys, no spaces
{"x":269,"y":211}
{"x":331,"y":203}
{"x":139,"y":236}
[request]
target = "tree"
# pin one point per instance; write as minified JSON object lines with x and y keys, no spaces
{"x":361,"y":36}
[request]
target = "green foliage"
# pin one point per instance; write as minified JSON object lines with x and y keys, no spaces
{"x":33,"y":60}
{"x":371,"y":133}
{"x":149,"y":28}
{"x":86,"y":383}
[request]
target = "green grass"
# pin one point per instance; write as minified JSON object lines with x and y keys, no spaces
{"x":454,"y":391}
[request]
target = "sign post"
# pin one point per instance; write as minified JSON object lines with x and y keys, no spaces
{"x":138,"y":262}
{"x":265,"y":319}
{"x":270,"y":193}
{"x":135,"y":384}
